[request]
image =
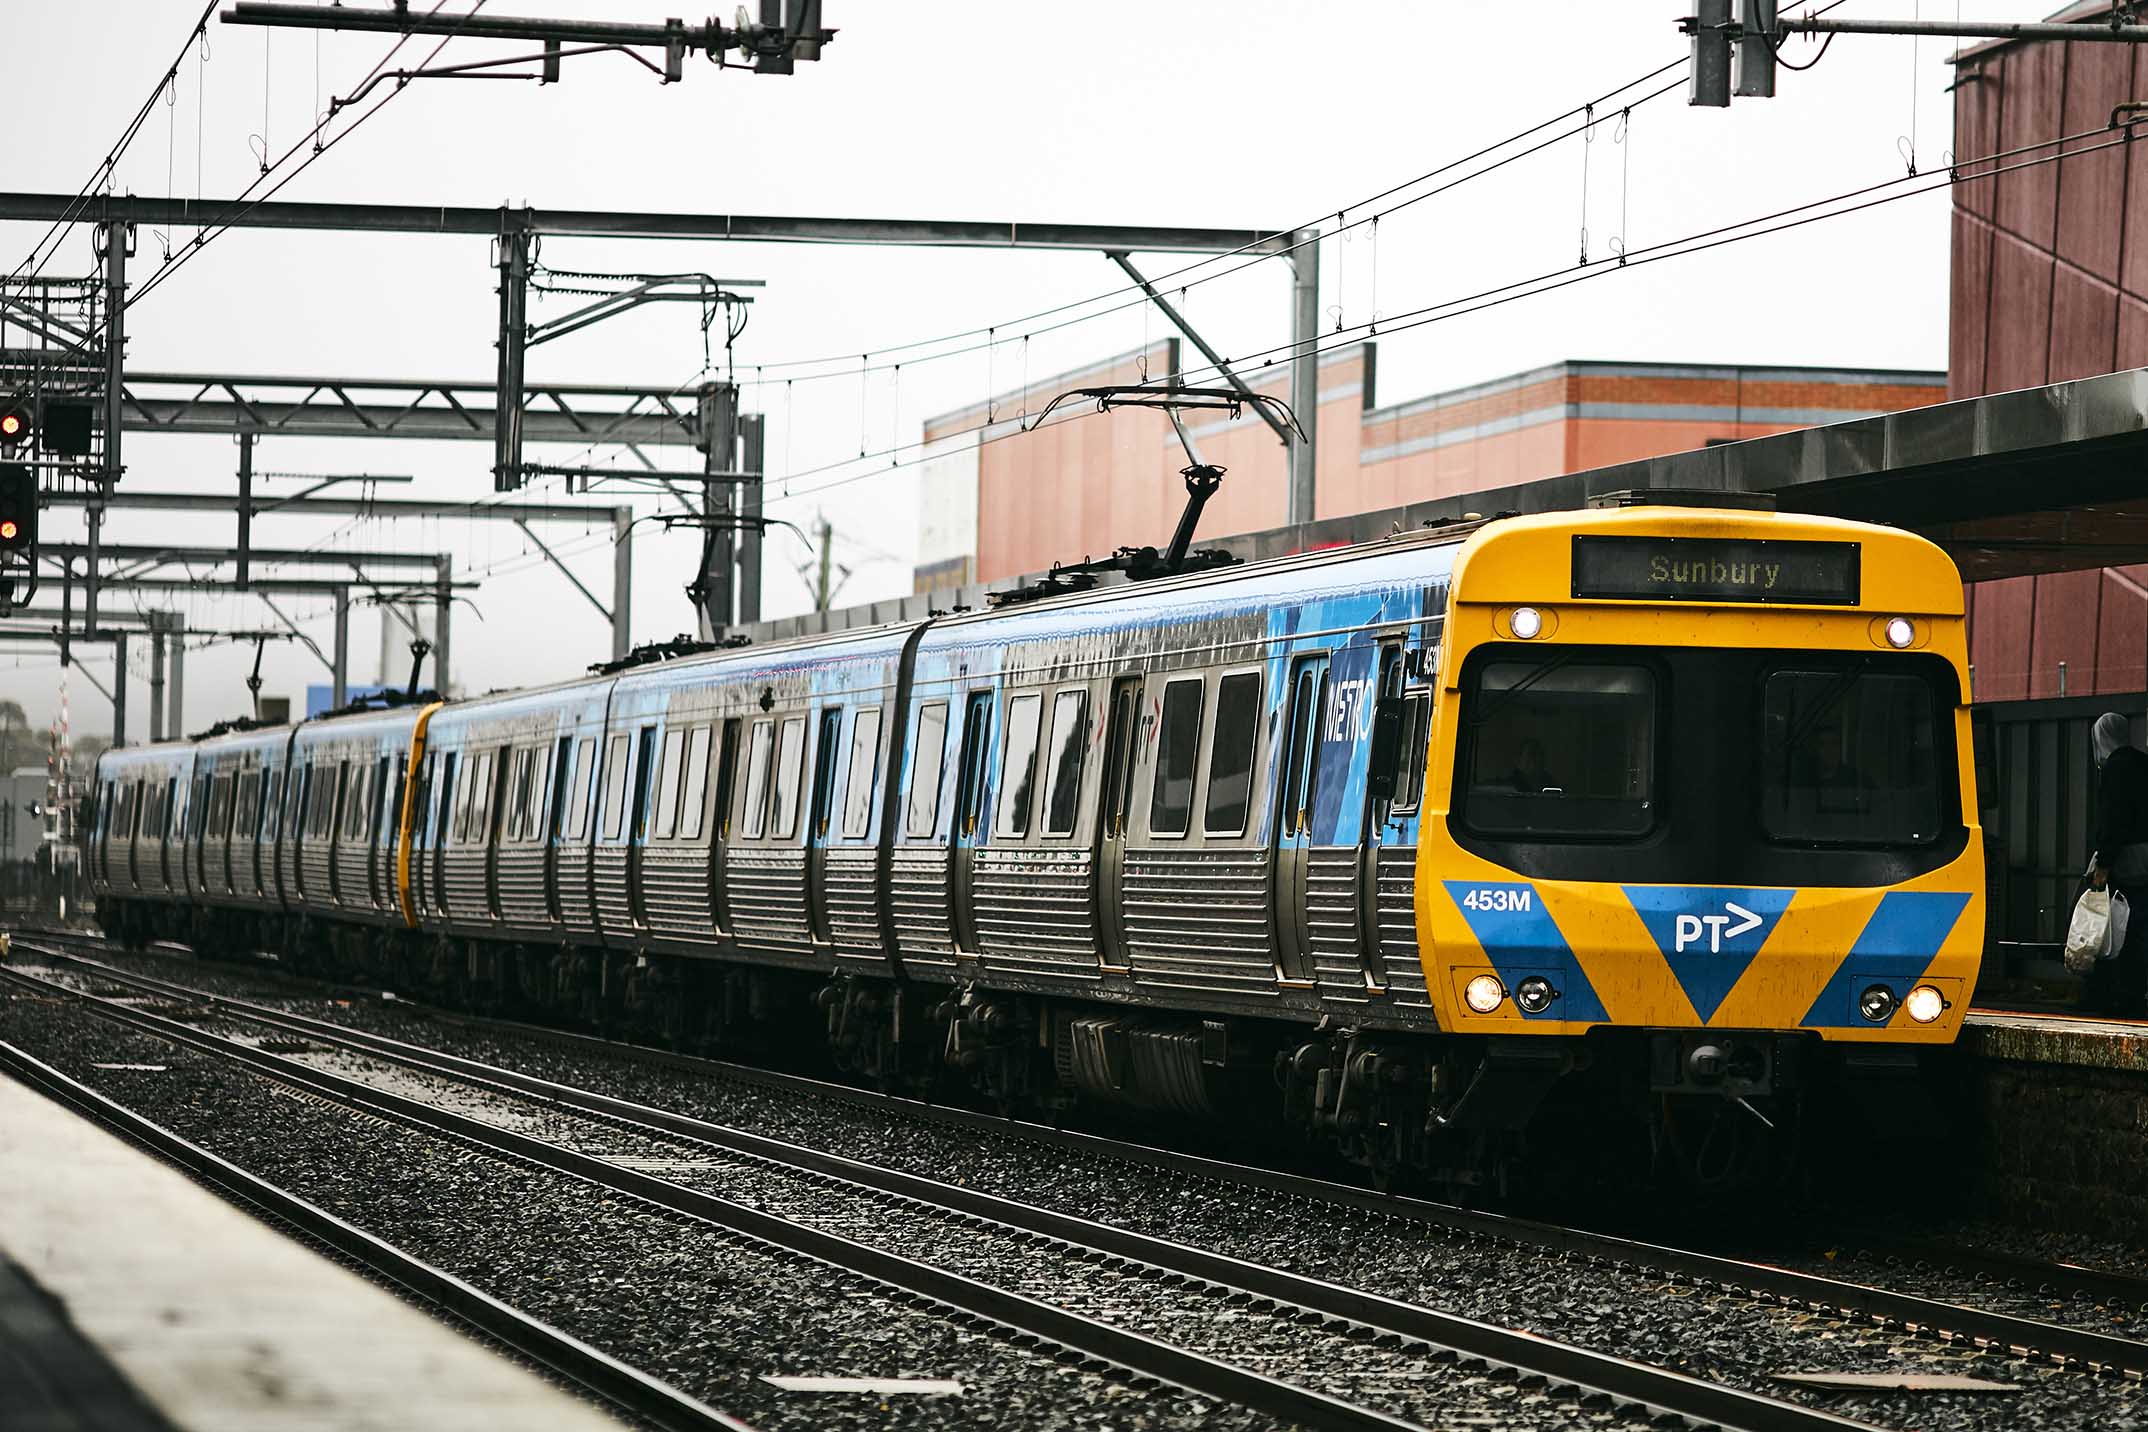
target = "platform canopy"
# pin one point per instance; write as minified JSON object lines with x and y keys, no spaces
{"x":2047,"y":479}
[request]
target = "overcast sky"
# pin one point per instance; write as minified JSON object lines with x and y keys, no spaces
{"x":1225,"y":113}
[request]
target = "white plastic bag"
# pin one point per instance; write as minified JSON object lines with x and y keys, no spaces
{"x":2098,"y":929}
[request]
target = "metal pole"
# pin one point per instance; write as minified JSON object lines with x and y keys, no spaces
{"x":340,"y":665}
{"x":246,"y":507}
{"x":514,"y":265}
{"x":156,"y":677}
{"x":622,"y":581}
{"x":1304,"y":371}
{"x":119,"y":688}
{"x":175,"y":683}
{"x":753,"y":431}
{"x":115,"y":358}
{"x":443,"y":608}
{"x":719,"y":546}
{"x":1947,"y":29}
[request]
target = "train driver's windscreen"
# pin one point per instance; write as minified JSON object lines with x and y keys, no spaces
{"x":1561,"y":749}
{"x":1847,"y":758}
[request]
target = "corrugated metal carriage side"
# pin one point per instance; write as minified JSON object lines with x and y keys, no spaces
{"x":1161,"y":791}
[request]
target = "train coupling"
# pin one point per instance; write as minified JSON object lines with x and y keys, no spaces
{"x":1734,"y":1063}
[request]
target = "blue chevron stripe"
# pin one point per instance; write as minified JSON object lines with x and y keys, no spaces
{"x":1897,"y":946}
{"x":1521,"y":939}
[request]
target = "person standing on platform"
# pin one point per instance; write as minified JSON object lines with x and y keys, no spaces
{"x":2120,"y":986}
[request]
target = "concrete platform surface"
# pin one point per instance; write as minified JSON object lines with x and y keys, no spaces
{"x":223,"y":1324}
{"x":2081,"y":1040}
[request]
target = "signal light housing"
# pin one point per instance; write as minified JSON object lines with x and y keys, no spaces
{"x":15,"y":425}
{"x":66,"y":427}
{"x":18,"y":508}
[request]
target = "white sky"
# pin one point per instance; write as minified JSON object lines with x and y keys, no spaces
{"x":1226,"y":113}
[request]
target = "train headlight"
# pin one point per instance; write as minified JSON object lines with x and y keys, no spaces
{"x":1534,"y":995}
{"x":1484,"y":993}
{"x":1925,"y":1004}
{"x":1526,"y":623}
{"x":1901,"y":633}
{"x":1876,"y":1004}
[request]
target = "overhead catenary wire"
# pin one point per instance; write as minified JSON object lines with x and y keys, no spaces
{"x":1833,"y":206}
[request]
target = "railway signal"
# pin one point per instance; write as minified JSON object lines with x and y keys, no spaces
{"x":15,"y":424}
{"x":66,"y":427}
{"x":18,"y":508}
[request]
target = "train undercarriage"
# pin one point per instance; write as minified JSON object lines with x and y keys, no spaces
{"x":1474,"y":1118}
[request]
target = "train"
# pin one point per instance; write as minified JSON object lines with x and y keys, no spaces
{"x":1657,"y":815}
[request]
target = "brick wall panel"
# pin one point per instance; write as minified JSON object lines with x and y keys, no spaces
{"x":2132,"y":333}
{"x":1976,"y":129}
{"x":1971,"y":289}
{"x":2084,"y":325}
{"x":2065,"y":631}
{"x":2133,"y":253}
{"x":2020,"y":317}
{"x":2032,"y":80}
{"x":2097,"y":77}
{"x":2122,"y":630}
{"x":2000,"y":652}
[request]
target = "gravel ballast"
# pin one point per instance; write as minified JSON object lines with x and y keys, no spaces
{"x":1724,"y":1337}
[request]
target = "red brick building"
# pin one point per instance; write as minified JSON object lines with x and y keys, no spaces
{"x":2050,"y":282}
{"x":1001,"y":501}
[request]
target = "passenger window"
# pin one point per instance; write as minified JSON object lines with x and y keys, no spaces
{"x":790,"y":769}
{"x":1070,"y":740}
{"x":481,"y":798}
{"x":615,"y":787}
{"x":726,"y":777}
{"x":668,"y":770}
{"x":1018,"y":765}
{"x":562,"y":787}
{"x":1178,"y":745}
{"x":756,"y":812}
{"x":518,"y":809}
{"x":584,"y":776}
{"x":693,"y":800}
{"x":864,"y":762}
{"x":925,"y":766}
{"x":1415,"y":737}
{"x":1230,"y":754}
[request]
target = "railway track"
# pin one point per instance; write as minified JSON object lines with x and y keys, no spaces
{"x":1098,"y":1281}
{"x":1836,"y":1297}
{"x":624,"y":1388}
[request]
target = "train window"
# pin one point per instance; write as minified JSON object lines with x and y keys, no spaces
{"x":489,"y":787}
{"x":1230,"y":754}
{"x":644,"y":773}
{"x":726,"y":776}
{"x":1847,"y":758}
{"x":864,"y":764}
{"x":693,"y":788}
{"x":1018,"y":765}
{"x":583,"y":774}
{"x":925,"y":765}
{"x":1070,"y":742}
{"x":615,"y":786}
{"x":756,"y":808}
{"x":560,"y":791}
{"x":518,"y":795}
{"x":669,"y":768}
{"x":1414,"y":738}
{"x":790,"y":770}
{"x":1178,"y":746}
{"x":1560,"y":748}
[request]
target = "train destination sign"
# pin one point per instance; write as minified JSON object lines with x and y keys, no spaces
{"x":1714,"y":569}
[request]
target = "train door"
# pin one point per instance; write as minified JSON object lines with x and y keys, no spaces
{"x":1297,"y":775}
{"x":637,"y":834}
{"x":1115,"y":792}
{"x":556,"y":820}
{"x":443,"y":820}
{"x":826,"y":744}
{"x":1383,"y":754}
{"x":380,"y":838}
{"x":968,"y":815}
{"x":720,"y":826}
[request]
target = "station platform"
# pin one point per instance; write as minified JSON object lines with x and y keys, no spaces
{"x":2034,"y":1037}
{"x":2060,"y":1124}
{"x":132,"y":1300}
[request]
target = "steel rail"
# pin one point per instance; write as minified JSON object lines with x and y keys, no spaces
{"x":1090,"y":1338}
{"x":612,"y":1381}
{"x":1834,"y":1296}
{"x":2106,"y":1287}
{"x":1658,"y":1390}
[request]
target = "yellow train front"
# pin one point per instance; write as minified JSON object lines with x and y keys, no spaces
{"x":1700,"y":812}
